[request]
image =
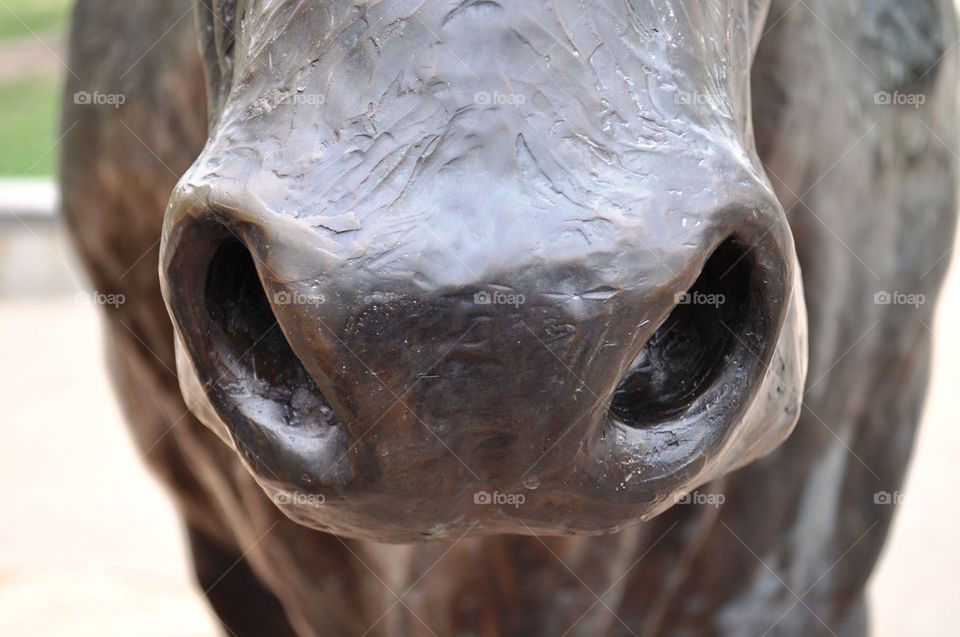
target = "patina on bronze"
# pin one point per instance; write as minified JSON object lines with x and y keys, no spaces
{"x":466,"y":297}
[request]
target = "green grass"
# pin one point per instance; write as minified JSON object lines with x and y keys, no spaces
{"x":29,"y":103}
{"x":22,"y":17}
{"x":29,"y":114}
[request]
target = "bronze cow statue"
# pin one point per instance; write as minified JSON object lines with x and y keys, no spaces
{"x":491,"y":318}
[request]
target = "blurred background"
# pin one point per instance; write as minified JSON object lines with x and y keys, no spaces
{"x":89,"y":542}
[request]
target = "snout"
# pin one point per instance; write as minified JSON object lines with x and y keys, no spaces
{"x":598,"y":363}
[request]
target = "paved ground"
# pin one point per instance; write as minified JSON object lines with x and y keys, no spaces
{"x":27,"y":199}
{"x":31,"y":55}
{"x":89,"y":545}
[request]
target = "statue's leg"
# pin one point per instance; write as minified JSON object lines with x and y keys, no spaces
{"x":245,"y":607}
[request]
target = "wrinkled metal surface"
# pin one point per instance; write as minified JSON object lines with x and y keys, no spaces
{"x":592,"y":197}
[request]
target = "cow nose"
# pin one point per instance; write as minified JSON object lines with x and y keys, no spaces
{"x":331,"y":373}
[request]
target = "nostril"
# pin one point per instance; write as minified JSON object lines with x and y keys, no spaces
{"x":694,"y":345}
{"x":236,"y":303}
{"x":262,"y":374}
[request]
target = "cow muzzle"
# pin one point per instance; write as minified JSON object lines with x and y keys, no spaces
{"x":490,"y":369}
